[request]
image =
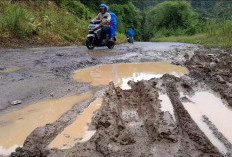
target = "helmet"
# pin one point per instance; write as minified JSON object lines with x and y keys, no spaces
{"x":103,"y":6}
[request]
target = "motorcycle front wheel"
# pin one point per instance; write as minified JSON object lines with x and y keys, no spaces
{"x":90,"y":43}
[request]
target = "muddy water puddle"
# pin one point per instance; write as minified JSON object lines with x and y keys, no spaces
{"x":10,"y":70}
{"x":102,"y":54}
{"x":205,"y":103}
{"x":78,"y":131}
{"x":166,"y":105}
{"x":15,"y":126}
{"x":120,"y":74}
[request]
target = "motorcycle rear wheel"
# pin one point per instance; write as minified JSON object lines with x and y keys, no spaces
{"x":111,"y":44}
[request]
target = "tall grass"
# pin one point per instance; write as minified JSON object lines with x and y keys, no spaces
{"x":16,"y":20}
{"x":45,"y":22}
{"x":217,"y":34}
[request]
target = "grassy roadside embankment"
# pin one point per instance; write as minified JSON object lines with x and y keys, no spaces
{"x":206,"y":40}
{"x":177,"y":21}
{"x":28,"y":24}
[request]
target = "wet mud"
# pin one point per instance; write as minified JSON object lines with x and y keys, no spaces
{"x":70,"y":136}
{"x":21,"y":123}
{"x":215,"y":70}
{"x":163,"y":114}
{"x":131,"y":123}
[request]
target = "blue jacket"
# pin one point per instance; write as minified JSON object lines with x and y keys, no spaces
{"x":113,"y":24}
{"x":131,"y":32}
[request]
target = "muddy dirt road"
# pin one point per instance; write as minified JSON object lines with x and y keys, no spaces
{"x":149,"y":109}
{"x":32,"y":74}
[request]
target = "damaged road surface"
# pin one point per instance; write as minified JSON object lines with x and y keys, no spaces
{"x":153,"y":108}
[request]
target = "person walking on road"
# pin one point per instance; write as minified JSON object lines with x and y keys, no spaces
{"x":131,"y":34}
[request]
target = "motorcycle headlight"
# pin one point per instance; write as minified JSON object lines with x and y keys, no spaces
{"x":91,"y":27}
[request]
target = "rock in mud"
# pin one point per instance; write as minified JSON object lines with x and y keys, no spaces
{"x":16,"y":102}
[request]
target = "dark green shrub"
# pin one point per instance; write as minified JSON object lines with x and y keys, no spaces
{"x":76,"y":8}
{"x":128,"y":17}
{"x":17,"y":20}
{"x":173,"y":18}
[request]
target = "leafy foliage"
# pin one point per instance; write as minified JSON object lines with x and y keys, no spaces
{"x":16,"y":20}
{"x":128,"y":17}
{"x":76,"y":8}
{"x":172,"y":18}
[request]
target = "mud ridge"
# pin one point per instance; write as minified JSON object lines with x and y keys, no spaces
{"x":218,"y":134}
{"x":131,"y":123}
{"x":36,"y":143}
{"x":189,"y":129}
{"x":215,"y":71}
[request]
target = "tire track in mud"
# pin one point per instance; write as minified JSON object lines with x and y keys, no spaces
{"x":189,"y":129}
{"x":37,"y":142}
{"x":131,"y":123}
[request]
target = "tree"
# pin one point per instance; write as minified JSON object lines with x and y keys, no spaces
{"x":172,"y":18}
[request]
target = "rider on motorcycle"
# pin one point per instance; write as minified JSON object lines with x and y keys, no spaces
{"x":105,"y":17}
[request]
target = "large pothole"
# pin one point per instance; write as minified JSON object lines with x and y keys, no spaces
{"x":120,"y":74}
{"x":15,"y":126}
{"x":139,"y":115}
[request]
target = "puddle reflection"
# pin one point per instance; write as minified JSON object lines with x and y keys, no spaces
{"x":120,"y":74}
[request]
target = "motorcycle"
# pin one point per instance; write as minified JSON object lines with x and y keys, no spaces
{"x":95,"y":36}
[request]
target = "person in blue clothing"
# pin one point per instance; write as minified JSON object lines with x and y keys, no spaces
{"x":131,"y":34}
{"x":113,"y":24}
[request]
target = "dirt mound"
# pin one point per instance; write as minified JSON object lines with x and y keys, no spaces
{"x":131,"y":123}
{"x":215,"y":71}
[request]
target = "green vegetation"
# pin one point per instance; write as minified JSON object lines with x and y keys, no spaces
{"x":43,"y":22}
{"x":178,"y":21}
{"x":128,"y":17}
{"x":65,"y":22}
{"x":217,"y":37}
{"x":46,"y":23}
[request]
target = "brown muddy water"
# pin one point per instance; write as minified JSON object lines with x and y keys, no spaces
{"x":78,"y":131}
{"x":102,"y":54}
{"x":120,"y":74}
{"x":206,"y":103}
{"x":15,"y":126}
{"x":11,"y":70}
{"x":166,"y":105}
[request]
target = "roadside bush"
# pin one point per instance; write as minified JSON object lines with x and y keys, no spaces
{"x":128,"y":17}
{"x":172,"y":18}
{"x":16,"y":19}
{"x":76,"y":8}
{"x":60,"y":26}
{"x":121,"y":38}
{"x":45,"y":22}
